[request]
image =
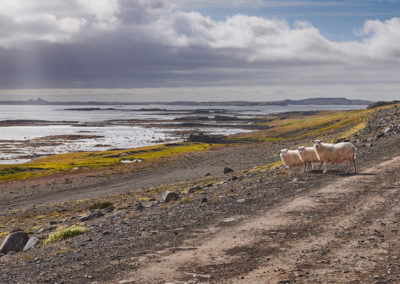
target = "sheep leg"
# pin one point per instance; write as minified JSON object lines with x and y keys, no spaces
{"x":305,"y":168}
{"x":325,"y":168}
{"x":320,"y":166}
{"x":355,"y":166}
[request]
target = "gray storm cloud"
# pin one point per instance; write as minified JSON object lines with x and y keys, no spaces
{"x":152,"y":43}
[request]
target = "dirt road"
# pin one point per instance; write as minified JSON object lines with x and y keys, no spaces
{"x":346,"y":232}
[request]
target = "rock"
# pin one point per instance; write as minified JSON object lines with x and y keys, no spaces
{"x":204,"y":200}
{"x":139,"y":206}
{"x":194,"y":189}
{"x":380,"y":135}
{"x":168,"y":196}
{"x":32,"y":242}
{"x":387,"y":130}
{"x":109,"y":209}
{"x":14,"y":242}
{"x":53,"y":222}
{"x":233,"y":178}
{"x":46,"y":229}
{"x":92,"y":215}
{"x":227,"y":170}
{"x":285,"y":281}
{"x":242,"y":200}
{"x":207,"y":174}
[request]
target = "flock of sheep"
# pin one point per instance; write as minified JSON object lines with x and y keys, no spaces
{"x":322,"y":153}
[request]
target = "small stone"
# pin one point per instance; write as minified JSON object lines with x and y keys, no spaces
{"x":207,"y":174}
{"x":380,"y":135}
{"x":109,"y":209}
{"x":285,"y":281}
{"x":297,"y":274}
{"x":32,"y":242}
{"x":106,"y":233}
{"x":227,"y":170}
{"x":53,"y":222}
{"x":139,"y":206}
{"x":204,"y":200}
{"x":168,"y":196}
{"x":46,"y":229}
{"x":194,"y":189}
{"x":242,"y":200}
{"x":14,"y":242}
{"x":92,"y":215}
{"x":233,"y":178}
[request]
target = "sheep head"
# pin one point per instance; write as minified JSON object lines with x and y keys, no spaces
{"x":283,"y":151}
{"x":317,"y":143}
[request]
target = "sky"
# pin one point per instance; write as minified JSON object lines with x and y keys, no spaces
{"x":168,"y":50}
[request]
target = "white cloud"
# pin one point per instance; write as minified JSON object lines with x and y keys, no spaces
{"x":244,"y":37}
{"x":53,"y":21}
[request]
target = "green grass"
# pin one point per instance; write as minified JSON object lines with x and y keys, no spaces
{"x":65,"y":234}
{"x":95,"y":160}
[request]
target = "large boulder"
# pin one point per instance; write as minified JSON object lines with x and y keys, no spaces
{"x":31,"y":243}
{"x":14,"y":242}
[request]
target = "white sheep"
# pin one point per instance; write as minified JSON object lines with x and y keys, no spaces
{"x":291,"y":159}
{"x":308,"y":155}
{"x":336,"y":153}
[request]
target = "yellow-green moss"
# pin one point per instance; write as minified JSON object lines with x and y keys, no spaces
{"x":185,"y":200}
{"x":65,"y":233}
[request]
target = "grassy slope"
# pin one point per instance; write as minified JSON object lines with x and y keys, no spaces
{"x":328,"y":125}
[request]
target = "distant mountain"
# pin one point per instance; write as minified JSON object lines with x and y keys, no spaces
{"x":327,"y":101}
{"x":310,"y":101}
